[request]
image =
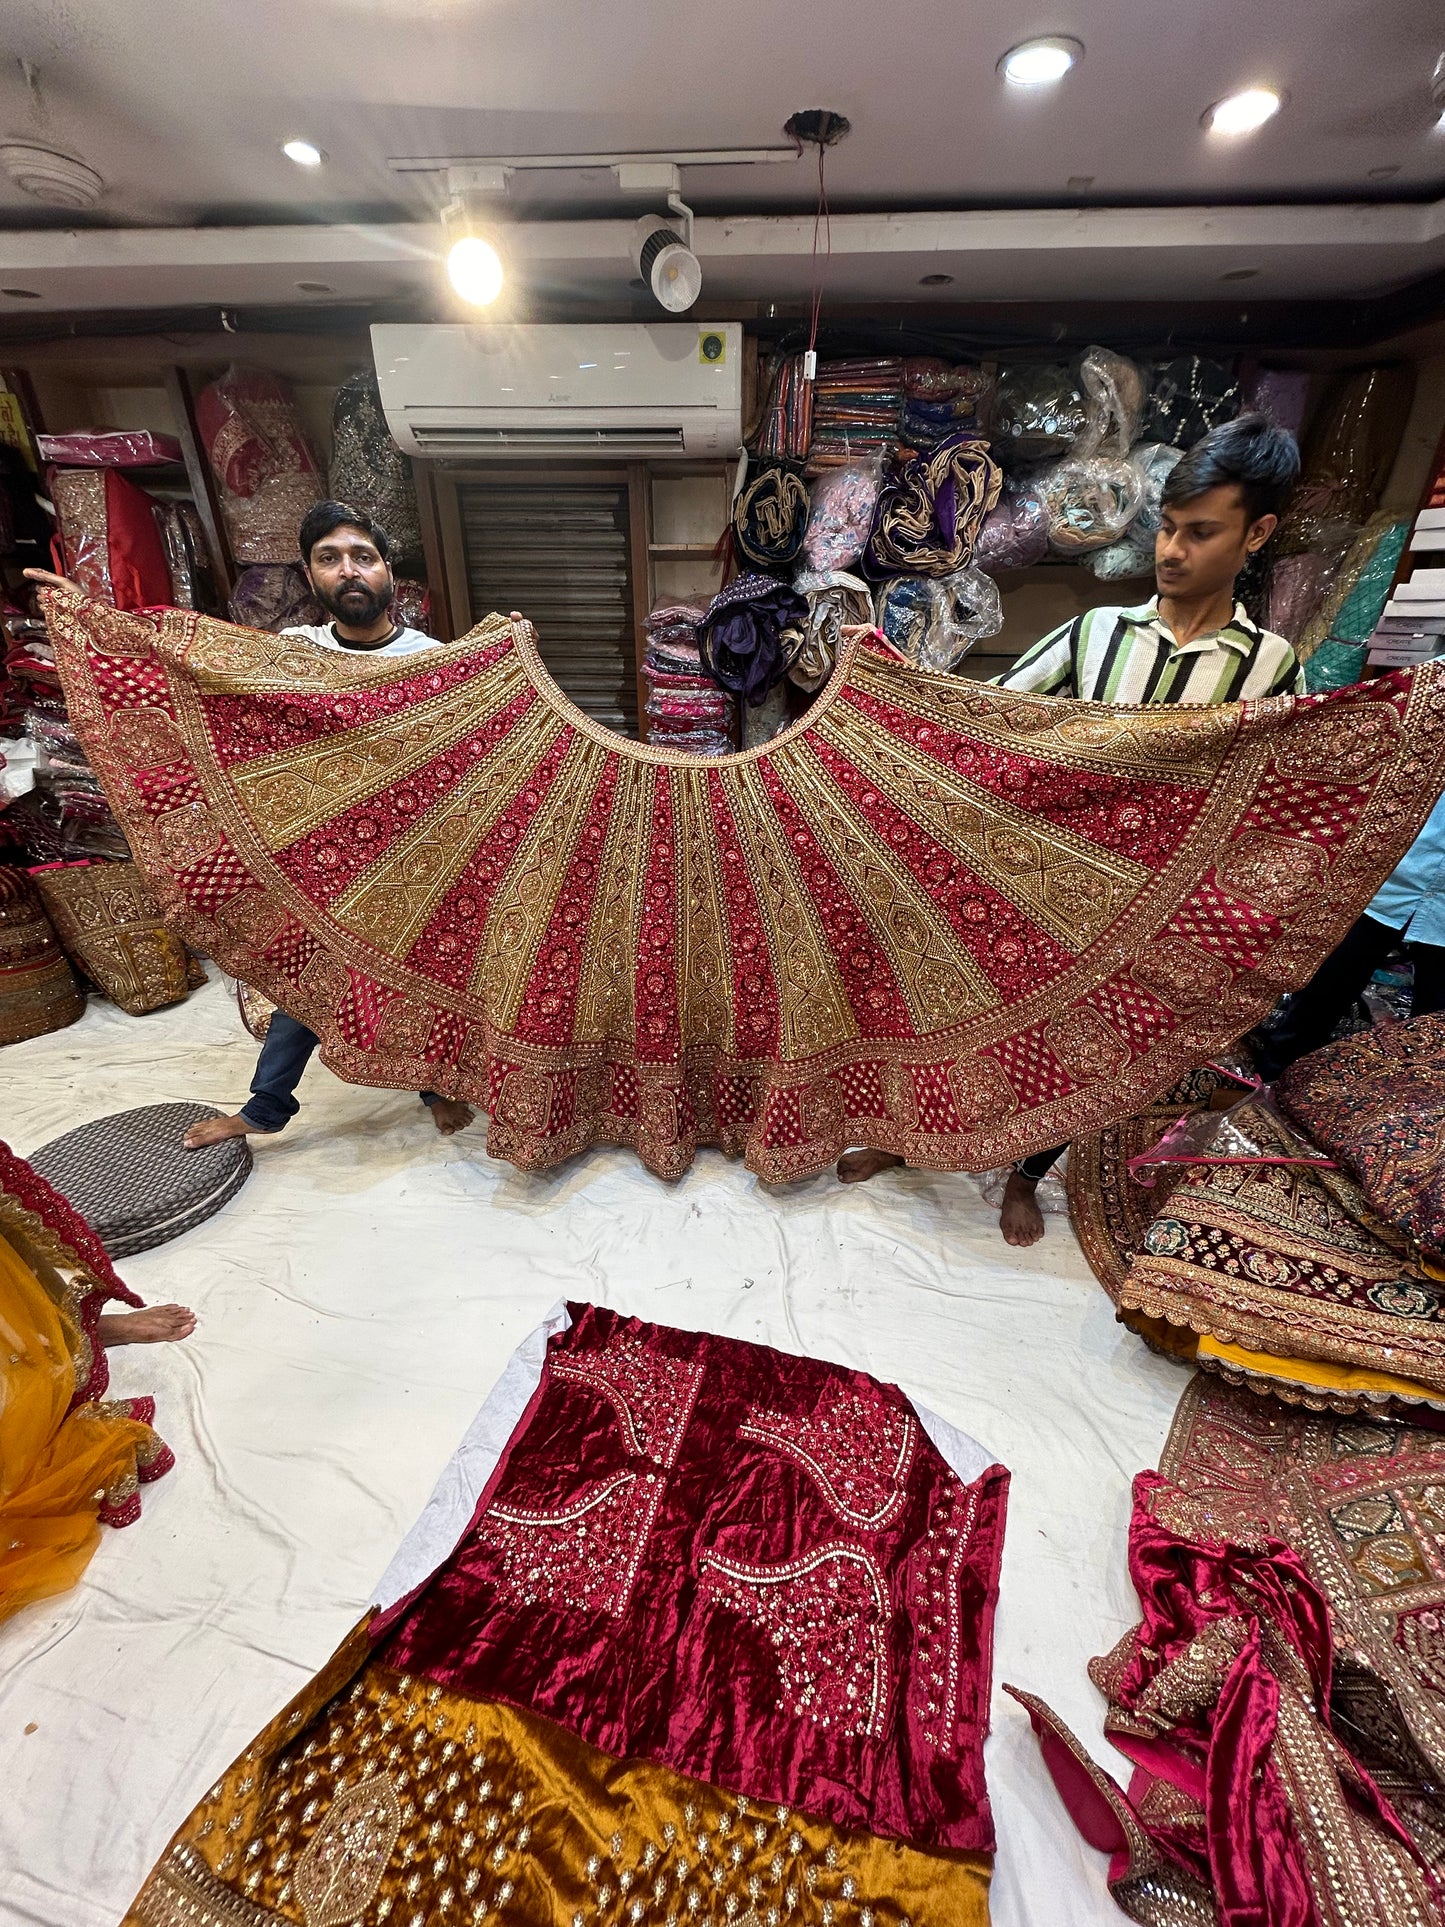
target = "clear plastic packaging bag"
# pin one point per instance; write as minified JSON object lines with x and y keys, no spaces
{"x":368,"y":470}
{"x":109,"y":448}
{"x":1134,"y":554}
{"x":934,"y":621}
{"x":966,"y":607}
{"x":1089,"y":501}
{"x":266,"y":474}
{"x":1114,"y":403}
{"x":1015,"y":534}
{"x":840,"y":515}
{"x":1347,"y":458}
{"x":1037,"y":412}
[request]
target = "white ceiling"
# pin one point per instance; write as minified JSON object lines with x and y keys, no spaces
{"x":181,"y":107}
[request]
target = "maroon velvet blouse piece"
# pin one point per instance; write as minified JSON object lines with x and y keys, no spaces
{"x":753,"y":1568}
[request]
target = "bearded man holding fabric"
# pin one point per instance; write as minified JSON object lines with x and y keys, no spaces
{"x":1190,"y":643}
{"x":345,"y":556}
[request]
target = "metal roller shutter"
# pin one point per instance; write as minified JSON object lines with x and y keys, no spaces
{"x":560,"y":553}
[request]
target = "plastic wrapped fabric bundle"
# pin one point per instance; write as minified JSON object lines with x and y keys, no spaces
{"x":1114,"y":402}
{"x":1352,"y":609}
{"x":770,"y":515}
{"x":903,"y":609}
{"x":856,"y":405}
{"x":1282,"y":394}
{"x":966,"y":608}
{"x":1347,"y":457}
{"x":1134,"y":555}
{"x":1189,"y":396}
{"x":1037,"y":412}
{"x":1334,"y":665}
{"x":411,"y":604}
{"x":192,"y":584}
{"x":1089,"y":502}
{"x":935,"y":622}
{"x":836,"y":601}
{"x":929,"y":515}
{"x":109,"y":448}
{"x":924,"y":424}
{"x":786,"y":423}
{"x":1015,"y":533}
{"x":275,"y":596}
{"x":751,"y":634}
{"x":108,"y":532}
{"x":368,"y":470}
{"x":265,"y":471}
{"x":1297,"y":587}
{"x":928,"y":378}
{"x":840,"y":517}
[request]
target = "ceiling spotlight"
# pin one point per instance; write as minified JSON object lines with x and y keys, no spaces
{"x":1039,"y":63}
{"x":21,"y":294}
{"x":304,"y":153}
{"x":474,"y":264}
{"x":935,"y":281}
{"x":1243,"y":113}
{"x":666,"y":263}
{"x":314,"y":287}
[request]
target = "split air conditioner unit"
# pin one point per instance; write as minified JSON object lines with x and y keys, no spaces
{"x":456,"y":392}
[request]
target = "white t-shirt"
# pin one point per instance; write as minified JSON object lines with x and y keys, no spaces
{"x":405,"y":643}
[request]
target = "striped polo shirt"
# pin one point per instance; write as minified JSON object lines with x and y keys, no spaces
{"x":1130,"y":656}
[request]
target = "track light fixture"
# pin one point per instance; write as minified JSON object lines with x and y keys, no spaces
{"x":474,"y":260}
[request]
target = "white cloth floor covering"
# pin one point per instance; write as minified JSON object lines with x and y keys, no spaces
{"x":357,"y":1302}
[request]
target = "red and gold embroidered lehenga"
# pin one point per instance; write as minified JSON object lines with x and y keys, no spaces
{"x":715,"y":1647}
{"x":951,"y":921}
{"x":1283,"y":1698}
{"x":71,"y":1459}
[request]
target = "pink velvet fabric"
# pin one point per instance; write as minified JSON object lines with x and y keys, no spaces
{"x":753,"y":1568}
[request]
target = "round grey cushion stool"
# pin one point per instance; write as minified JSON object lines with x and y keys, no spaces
{"x":134,"y":1182}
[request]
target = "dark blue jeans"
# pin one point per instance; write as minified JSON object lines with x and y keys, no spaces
{"x":284,"y":1056}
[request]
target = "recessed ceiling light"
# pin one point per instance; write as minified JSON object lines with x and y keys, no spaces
{"x":304,"y":153}
{"x":1076,"y":183}
{"x":1243,"y":113}
{"x":1240,"y":274}
{"x":936,"y":281}
{"x":314,"y":287}
{"x":1385,"y":173}
{"x":22,"y":294}
{"x":1038,"y":63}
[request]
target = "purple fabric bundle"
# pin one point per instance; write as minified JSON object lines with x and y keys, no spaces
{"x":752,"y":631}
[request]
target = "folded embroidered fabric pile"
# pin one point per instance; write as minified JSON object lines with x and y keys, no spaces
{"x":715,"y":1647}
{"x":1280,"y":1698}
{"x":685,"y":708}
{"x":856,"y":410}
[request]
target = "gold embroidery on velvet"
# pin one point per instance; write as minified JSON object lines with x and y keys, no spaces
{"x":504,"y":1816}
{"x":338,"y":1874}
{"x":528,"y":893}
{"x":606,"y":988}
{"x":1193,"y":740}
{"x":392,"y":901}
{"x":704,"y":978}
{"x":295,"y":791}
{"x":1071,"y":887}
{"x":938,"y":977}
{"x":813,"y":1008}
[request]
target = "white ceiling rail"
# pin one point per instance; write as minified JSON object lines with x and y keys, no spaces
{"x":576,"y":163}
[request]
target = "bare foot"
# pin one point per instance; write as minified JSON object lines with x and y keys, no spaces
{"x":449,"y":1115}
{"x":1020,"y":1220}
{"x":211,"y":1130}
{"x":856,"y":1167}
{"x":156,"y":1325}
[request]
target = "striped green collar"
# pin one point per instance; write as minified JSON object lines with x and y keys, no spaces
{"x":1238,"y":633}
